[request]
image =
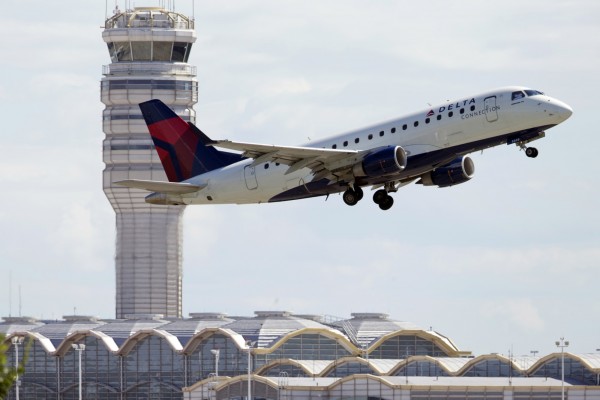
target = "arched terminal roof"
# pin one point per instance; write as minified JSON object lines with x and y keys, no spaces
{"x":367,"y":328}
{"x":185,"y":329}
{"x":18,"y":324}
{"x":57,"y":331}
{"x":121,"y":330}
{"x":268,"y":327}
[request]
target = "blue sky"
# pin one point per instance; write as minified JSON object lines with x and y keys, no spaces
{"x":510,"y":259}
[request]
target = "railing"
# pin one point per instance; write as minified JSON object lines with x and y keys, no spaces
{"x":149,"y":18}
{"x":148,"y":68}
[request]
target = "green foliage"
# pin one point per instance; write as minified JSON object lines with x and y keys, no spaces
{"x":8,"y":373}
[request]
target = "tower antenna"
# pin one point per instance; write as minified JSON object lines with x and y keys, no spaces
{"x":10,"y":293}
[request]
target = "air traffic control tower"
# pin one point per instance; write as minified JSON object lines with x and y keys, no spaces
{"x":149,"y":49}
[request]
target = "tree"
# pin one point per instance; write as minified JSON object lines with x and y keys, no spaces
{"x":8,"y":373}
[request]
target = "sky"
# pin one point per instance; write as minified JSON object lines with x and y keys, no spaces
{"x":507,"y":261}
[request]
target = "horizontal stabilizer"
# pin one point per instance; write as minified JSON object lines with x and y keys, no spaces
{"x":162,"y":187}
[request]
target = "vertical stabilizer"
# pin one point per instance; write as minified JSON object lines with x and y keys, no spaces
{"x":183,"y":149}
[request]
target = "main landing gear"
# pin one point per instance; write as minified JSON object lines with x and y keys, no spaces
{"x":353,"y":196}
{"x":381,"y":197}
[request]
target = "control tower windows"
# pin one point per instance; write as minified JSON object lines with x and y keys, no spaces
{"x":141,"y":51}
{"x":161,"y":51}
{"x":149,"y":51}
{"x":181,"y":51}
{"x":122,"y":51}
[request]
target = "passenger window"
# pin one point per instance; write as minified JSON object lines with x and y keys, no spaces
{"x":450,"y":114}
{"x":472,"y":108}
{"x":462,"y":110}
{"x":439,"y":117}
{"x":404,"y":127}
{"x":370,"y":136}
{"x":517,"y":95}
{"x":356,"y":140}
{"x":416,"y":124}
{"x":267,"y":166}
{"x":393,"y":130}
{"x":381,"y":133}
{"x":345,"y":143}
{"x":334,"y":146}
{"x":427,"y":120}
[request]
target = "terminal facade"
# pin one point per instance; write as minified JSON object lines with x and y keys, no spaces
{"x":208,"y":355}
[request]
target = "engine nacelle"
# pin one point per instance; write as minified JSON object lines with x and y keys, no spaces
{"x":381,"y":162}
{"x":458,"y":171}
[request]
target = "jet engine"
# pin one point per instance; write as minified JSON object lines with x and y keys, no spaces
{"x":381,"y":162}
{"x":458,"y":171}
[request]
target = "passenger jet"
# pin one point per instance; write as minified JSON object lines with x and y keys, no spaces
{"x":429,"y":147}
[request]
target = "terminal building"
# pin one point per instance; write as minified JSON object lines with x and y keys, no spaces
{"x":209,"y":355}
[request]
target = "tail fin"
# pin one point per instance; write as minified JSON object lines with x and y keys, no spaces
{"x":184,"y":150}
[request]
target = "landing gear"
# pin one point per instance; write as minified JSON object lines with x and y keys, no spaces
{"x":383,"y":199}
{"x":353,"y":196}
{"x":386,"y":203}
{"x":531,"y":152}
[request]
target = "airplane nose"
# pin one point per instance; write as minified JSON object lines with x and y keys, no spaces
{"x":565,"y":110}
{"x":559,"y":110}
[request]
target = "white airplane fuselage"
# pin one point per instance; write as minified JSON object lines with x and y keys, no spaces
{"x":431,"y":137}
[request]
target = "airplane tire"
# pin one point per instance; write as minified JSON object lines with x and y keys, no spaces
{"x":359,"y":192}
{"x":379,"y":196}
{"x":350,"y":197}
{"x":531,"y":152}
{"x":386,"y":203}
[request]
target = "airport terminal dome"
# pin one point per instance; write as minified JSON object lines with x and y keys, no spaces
{"x":265,"y":330}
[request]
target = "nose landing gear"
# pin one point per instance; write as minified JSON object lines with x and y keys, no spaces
{"x":531,"y":152}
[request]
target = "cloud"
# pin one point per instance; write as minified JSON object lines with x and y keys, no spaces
{"x":520,"y":312}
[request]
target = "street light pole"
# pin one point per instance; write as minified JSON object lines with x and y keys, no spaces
{"x":250,"y":345}
{"x":534,"y":352}
{"x":16,"y":341}
{"x":216,"y":352}
{"x":562,"y":343}
{"x":79,"y":348}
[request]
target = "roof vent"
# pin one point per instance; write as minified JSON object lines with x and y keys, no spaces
{"x":208,"y":316}
{"x":272,"y":313}
{"x":369,"y":315}
{"x":22,"y":320}
{"x":77,"y":318}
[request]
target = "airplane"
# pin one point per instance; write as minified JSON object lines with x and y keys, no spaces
{"x":428,"y":147}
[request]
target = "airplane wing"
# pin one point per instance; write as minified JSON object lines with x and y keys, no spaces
{"x":330,"y":163}
{"x":162,"y":187}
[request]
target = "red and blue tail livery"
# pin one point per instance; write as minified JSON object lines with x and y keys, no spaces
{"x":429,"y":147}
{"x":182,"y":148}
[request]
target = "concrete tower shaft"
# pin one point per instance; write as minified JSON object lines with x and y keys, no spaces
{"x":149,"y":49}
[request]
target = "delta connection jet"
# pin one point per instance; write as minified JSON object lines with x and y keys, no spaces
{"x":429,"y":147}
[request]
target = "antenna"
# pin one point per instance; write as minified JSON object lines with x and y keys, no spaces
{"x":10,"y":293}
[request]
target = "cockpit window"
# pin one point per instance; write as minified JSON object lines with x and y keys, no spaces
{"x":517,"y":95}
{"x":533,"y":92}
